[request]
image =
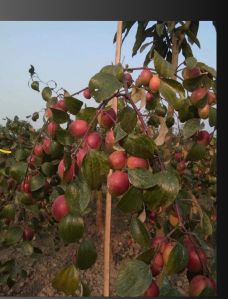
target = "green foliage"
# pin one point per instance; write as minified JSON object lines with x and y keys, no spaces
{"x":133,"y":279}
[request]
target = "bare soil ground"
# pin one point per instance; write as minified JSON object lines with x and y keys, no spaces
{"x":42,"y":268}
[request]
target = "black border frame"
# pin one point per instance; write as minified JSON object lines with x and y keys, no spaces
{"x":78,"y":10}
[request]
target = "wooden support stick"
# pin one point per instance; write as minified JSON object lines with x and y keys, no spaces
{"x":108,"y":212}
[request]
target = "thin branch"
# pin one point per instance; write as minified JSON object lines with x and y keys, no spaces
{"x":78,"y":92}
{"x":144,"y":126}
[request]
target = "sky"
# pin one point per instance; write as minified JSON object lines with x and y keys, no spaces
{"x":69,"y":53}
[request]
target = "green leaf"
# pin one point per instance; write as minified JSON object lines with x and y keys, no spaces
{"x":126,"y":27}
{"x":208,"y":292}
{"x":139,"y":233}
{"x":139,"y":145}
{"x":35,"y":85}
{"x":59,"y":116}
{"x":13,"y":235}
{"x":119,"y":133}
{"x":48,"y":169}
{"x":26,"y":248}
{"x":95,"y":167}
{"x":140,"y":36}
{"x":103,"y":85}
{"x":51,"y":101}
{"x":160,"y":28}
{"x":115,"y":70}
{"x":67,"y":280}
{"x":87,"y":114}
{"x":165,"y":190}
{"x":196,"y":153}
{"x":56,"y":151}
{"x":8,"y":211}
{"x":204,"y":229}
{"x":153,"y":104}
{"x":193,"y":83}
{"x":71,"y":196}
{"x":167,"y":290}
{"x":36,"y":182}
{"x":46,"y":93}
{"x":186,"y":49}
{"x":146,"y":256}
{"x":78,"y":195}
{"x":86,"y":290}
{"x":87,"y":255}
{"x":145,"y":46}
{"x":192,"y":37}
{"x":18,"y":170}
{"x":212,"y":116}
{"x":191,"y":127}
{"x":133,"y":279}
{"x":163,"y":67}
{"x":178,"y":259}
{"x":71,"y":228}
{"x":23,"y":198}
{"x":73,"y":105}
{"x":191,"y":62}
{"x":21,"y":154}
{"x":64,"y":137}
{"x":35,"y":116}
{"x":207,"y":68}
{"x":172,"y":91}
{"x":141,"y":178}
{"x":131,"y":201}
{"x":32,"y":70}
{"x":127,"y":119}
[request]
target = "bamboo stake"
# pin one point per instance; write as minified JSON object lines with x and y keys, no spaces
{"x":107,"y":233}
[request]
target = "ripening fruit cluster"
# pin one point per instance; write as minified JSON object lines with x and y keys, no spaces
{"x":118,"y":182}
{"x":197,"y":260}
{"x":201,"y":137}
{"x":201,"y":97}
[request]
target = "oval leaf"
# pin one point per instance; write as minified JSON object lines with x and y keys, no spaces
{"x":59,"y":116}
{"x":139,"y":145}
{"x":196,"y":153}
{"x":131,"y":201}
{"x":18,"y":170}
{"x":172,"y":91}
{"x":73,"y":105}
{"x":163,"y":67}
{"x":103,"y":85}
{"x":48,"y":169}
{"x":64,"y":137}
{"x":141,"y":178}
{"x":71,"y":228}
{"x":139,"y":233}
{"x":67,"y":280}
{"x":36,"y":182}
{"x":191,"y":127}
{"x":35,"y":85}
{"x":178,"y":259}
{"x":133,"y":279}
{"x":87,"y":255}
{"x":127,"y":119}
{"x":165,"y":190}
{"x":95,"y":167}
{"x":46,"y":93}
